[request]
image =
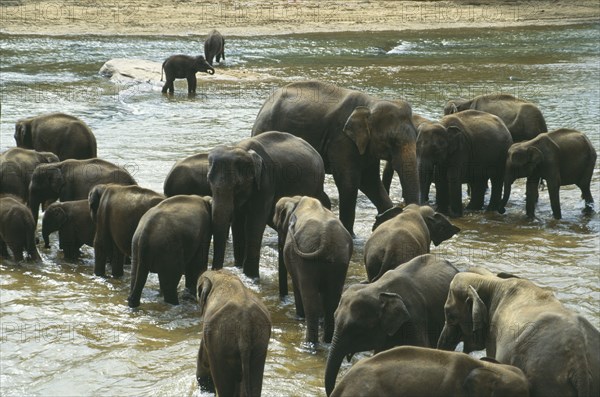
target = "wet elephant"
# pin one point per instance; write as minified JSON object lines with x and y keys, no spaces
{"x":404,"y":307}
{"x":561,"y":157}
{"x":466,"y":147}
{"x":16,"y":167}
{"x":183,"y":67}
{"x":70,"y":180}
{"x":117,"y":210}
{"x":521,"y":324}
{"x":352,"y":132}
{"x":188,"y":176}
{"x":62,"y":134}
{"x":246,"y":181}
{"x":214,"y":46}
{"x":17,"y":229}
{"x":171,"y":239}
{"x":74,"y":224}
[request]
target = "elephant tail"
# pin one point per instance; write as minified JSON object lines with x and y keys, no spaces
{"x":324,"y":244}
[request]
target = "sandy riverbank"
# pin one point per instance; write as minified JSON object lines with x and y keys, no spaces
{"x":193,"y":17}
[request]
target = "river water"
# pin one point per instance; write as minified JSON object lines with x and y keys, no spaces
{"x":67,"y":332}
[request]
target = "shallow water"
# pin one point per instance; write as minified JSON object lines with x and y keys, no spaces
{"x":65,"y":331}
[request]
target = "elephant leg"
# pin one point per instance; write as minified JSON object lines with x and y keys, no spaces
{"x":311,"y":302}
{"x":257,"y":367}
{"x":168,"y":281}
{"x":4,"y":250}
{"x":238,"y":238}
{"x":254,"y":229}
{"x":300,"y":313}
{"x":191,"y":80}
{"x":203,"y":375}
{"x":169,"y":86}
{"x":496,"y":194}
{"x":441,"y":191}
{"x":371,"y":186}
{"x":531,"y":196}
{"x":478,"y":188}
{"x":139,"y":276}
{"x":586,"y":193}
{"x":100,"y":257}
{"x":282,"y":270}
{"x":17,"y":250}
{"x":348,"y":192}
{"x":455,"y":193}
{"x":331,"y":295}
{"x":553,"y":192}
{"x":117,"y":262}
{"x":196,"y":267}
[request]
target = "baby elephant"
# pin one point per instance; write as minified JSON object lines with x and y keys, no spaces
{"x":171,"y":239}
{"x":403,"y":235}
{"x":419,"y":371}
{"x":214,"y":45}
{"x":316,"y":250}
{"x":74,"y":223}
{"x":561,"y":157}
{"x":17,"y":229}
{"x":235,"y":336}
{"x":184,"y":67}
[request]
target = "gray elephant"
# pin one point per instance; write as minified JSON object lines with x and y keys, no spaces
{"x":235,"y":336}
{"x":16,"y":167}
{"x":188,"y":176}
{"x":404,"y":307}
{"x":183,"y":67}
{"x":214,"y":45}
{"x":397,"y":238}
{"x":62,"y":134}
{"x":523,"y":119}
{"x":74,"y":224}
{"x":419,"y":371}
{"x":561,"y":157}
{"x":117,"y":210}
{"x":521,"y":324}
{"x":352,"y":132}
{"x":172,"y":239}
{"x":70,"y":180}
{"x":246,"y":181}
{"x":466,"y":147}
{"x":317,"y":250}
{"x":17,"y":229}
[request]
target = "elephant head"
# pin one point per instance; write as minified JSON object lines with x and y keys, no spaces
{"x":466,"y":313}
{"x":386,"y":216}
{"x":201,"y":65}
{"x":284,"y":210}
{"x":496,"y":379}
{"x":23,"y":136}
{"x":385,"y":130}
{"x":45,"y":187}
{"x":439,"y":226}
{"x":234,"y":175}
{"x":457,"y":105}
{"x":54,"y":218}
{"x":522,"y":161}
{"x":363,"y":321}
{"x":204,"y":287}
{"x":94,"y":197}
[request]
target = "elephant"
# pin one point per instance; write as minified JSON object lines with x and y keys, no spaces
{"x":522,"y":324}
{"x":171,"y":239}
{"x":74,"y":223}
{"x":403,"y":237}
{"x":466,"y":147}
{"x":62,"y":134}
{"x":246,"y":181}
{"x":404,"y":307}
{"x":70,"y":180}
{"x":117,"y":210}
{"x":17,"y":229}
{"x":561,"y":157}
{"x":352,"y":132}
{"x":188,"y":176}
{"x":317,"y":249}
{"x":17,"y":165}
{"x":183,"y":67}
{"x":214,"y":45}
{"x":235,"y":336}
{"x":523,"y":119}
{"x":420,"y":371}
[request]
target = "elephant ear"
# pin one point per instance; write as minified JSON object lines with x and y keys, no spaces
{"x":204,"y":288}
{"x":357,"y":128}
{"x":56,"y":179}
{"x":386,"y":216}
{"x":284,"y":209}
{"x":479,"y":315}
{"x":94,"y":200}
{"x":455,"y":138}
{"x":58,"y":214}
{"x":450,"y":108}
{"x":440,"y":228}
{"x":23,"y":135}
{"x":393,"y":312}
{"x":257,"y":162}
{"x":535,"y":156}
{"x":481,"y":382}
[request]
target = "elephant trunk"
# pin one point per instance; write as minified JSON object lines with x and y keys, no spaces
{"x":46,"y":231}
{"x":425,"y":179}
{"x":508,"y":181}
{"x":211,"y":70}
{"x":222,"y":214}
{"x":34,"y":206}
{"x":449,"y":338}
{"x":405,"y":164}
{"x":334,"y":362}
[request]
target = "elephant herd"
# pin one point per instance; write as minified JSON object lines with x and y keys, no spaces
{"x":276,"y":177}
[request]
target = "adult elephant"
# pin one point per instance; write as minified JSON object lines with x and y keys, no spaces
{"x":561,"y":157}
{"x":62,"y":134}
{"x":214,"y":45}
{"x":246,"y":181}
{"x":317,"y":249}
{"x":352,"y":132}
{"x":412,"y":371}
{"x":16,"y":167}
{"x":70,"y":180}
{"x":17,"y":229}
{"x":466,"y":147}
{"x":117,"y":210}
{"x":74,"y":224}
{"x":188,"y":176}
{"x":172,"y":239}
{"x":404,"y":307}
{"x":523,"y":119}
{"x":183,"y":67}
{"x":521,"y":324}
{"x":401,"y":237}
{"x":235,"y":336}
